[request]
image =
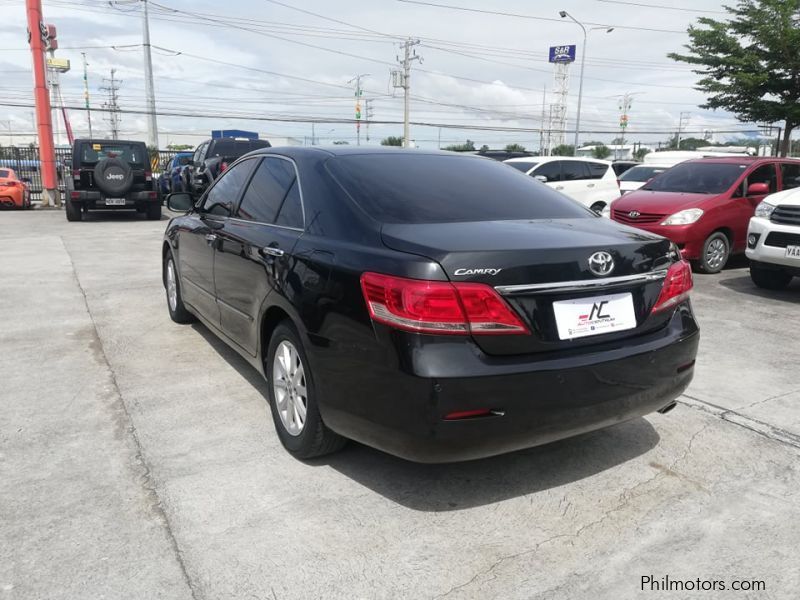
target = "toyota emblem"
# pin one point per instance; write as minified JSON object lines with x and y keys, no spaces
{"x":634,"y":214}
{"x":601,"y":263}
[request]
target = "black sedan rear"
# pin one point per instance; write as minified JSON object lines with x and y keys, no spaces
{"x":439,"y":307}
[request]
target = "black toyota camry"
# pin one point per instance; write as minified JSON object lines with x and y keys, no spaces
{"x":439,"y":307}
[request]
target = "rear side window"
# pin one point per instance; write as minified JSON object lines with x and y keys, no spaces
{"x":551,"y":170}
{"x":523,"y":166}
{"x":790,"y":175}
{"x":271,"y":184}
{"x":764,"y":174}
{"x":291,"y":212}
{"x":572,"y":170}
{"x":597,"y":170}
{"x":430,"y":188}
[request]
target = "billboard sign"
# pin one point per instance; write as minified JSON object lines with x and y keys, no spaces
{"x":562,"y":54}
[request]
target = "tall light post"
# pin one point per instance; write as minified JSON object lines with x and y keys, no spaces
{"x":564,"y":14}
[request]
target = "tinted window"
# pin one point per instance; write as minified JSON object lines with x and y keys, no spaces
{"x":765,"y":174}
{"x":3,"y":173}
{"x":133,"y":154}
{"x":641,"y":173}
{"x":236,"y":148}
{"x":198,"y":154}
{"x":425,"y":188}
{"x":790,"y":174}
{"x":222,"y":196}
{"x":597,"y":170}
{"x":523,"y":166}
{"x":572,"y":170}
{"x":269,"y":186}
{"x":697,"y":178}
{"x":291,"y":212}
{"x":551,"y":170}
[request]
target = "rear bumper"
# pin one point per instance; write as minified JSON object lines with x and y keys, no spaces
{"x":97,"y":200}
{"x":402,"y":410}
{"x":11,"y":200}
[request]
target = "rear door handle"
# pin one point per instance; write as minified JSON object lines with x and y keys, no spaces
{"x":272,"y":251}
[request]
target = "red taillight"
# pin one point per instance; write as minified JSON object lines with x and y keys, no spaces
{"x":152,"y":195}
{"x":438,"y":306}
{"x":75,"y":195}
{"x":76,"y":174}
{"x":468,"y":414}
{"x":9,"y":183}
{"x":223,"y":167}
{"x":148,"y":176}
{"x":677,"y":285}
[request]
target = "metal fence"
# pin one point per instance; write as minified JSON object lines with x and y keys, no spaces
{"x":24,"y":160}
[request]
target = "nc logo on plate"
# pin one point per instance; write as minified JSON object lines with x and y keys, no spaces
{"x":601,"y":263}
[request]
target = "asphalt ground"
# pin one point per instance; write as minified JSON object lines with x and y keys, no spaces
{"x":138,"y":460}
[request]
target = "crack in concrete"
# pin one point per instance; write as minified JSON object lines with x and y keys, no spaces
{"x":146,"y":479}
{"x":626,"y":497}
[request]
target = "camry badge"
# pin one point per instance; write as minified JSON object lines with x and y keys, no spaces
{"x":483,"y":271}
{"x":634,"y":214}
{"x":601,"y":263}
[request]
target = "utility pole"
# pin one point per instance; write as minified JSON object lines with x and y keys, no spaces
{"x":402,"y":79}
{"x":684,"y":115}
{"x":358,"y":94}
{"x":112,"y":106}
{"x":152,"y":128}
{"x":542,"y":149}
{"x":369,"y":113}
{"x":86,"y":92}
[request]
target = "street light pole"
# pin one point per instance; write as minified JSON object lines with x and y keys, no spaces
{"x":564,"y":14}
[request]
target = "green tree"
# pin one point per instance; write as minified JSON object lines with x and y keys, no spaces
{"x":601,"y":151}
{"x":392,"y":141}
{"x":640,"y":153}
{"x":468,"y":146}
{"x":484,"y":148}
{"x":690,"y":143}
{"x":179,"y":147}
{"x":563,"y":150}
{"x":515,"y":148}
{"x":749,"y":63}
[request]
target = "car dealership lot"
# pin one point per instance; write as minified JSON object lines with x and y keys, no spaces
{"x":138,"y":459}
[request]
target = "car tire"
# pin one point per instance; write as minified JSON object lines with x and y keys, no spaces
{"x":74,"y":211}
{"x":154,"y":211}
{"x":292,"y":392}
{"x":715,"y":254}
{"x":172,"y":285}
{"x":598,"y":207}
{"x":769,"y":279}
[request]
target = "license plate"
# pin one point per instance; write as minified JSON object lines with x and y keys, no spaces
{"x":792,"y":251}
{"x":594,"y":316}
{"x":115,"y":201}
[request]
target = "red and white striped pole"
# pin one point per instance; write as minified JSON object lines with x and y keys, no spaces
{"x":47,"y":157}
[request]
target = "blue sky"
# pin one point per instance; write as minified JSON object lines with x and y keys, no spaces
{"x":478,"y":69}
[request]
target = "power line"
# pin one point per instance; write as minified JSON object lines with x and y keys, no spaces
{"x":661,"y":6}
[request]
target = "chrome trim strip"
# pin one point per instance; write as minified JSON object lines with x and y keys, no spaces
{"x":583,"y":284}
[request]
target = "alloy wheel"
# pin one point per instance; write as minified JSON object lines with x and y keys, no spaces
{"x":716,"y":253}
{"x":172,"y":286}
{"x":289,"y":387}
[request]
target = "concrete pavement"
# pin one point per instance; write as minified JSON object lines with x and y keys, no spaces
{"x":138,"y":459}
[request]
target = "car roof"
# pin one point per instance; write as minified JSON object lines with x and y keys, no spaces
{"x":544,"y":159}
{"x":740,"y":159}
{"x":105,"y":141}
{"x":343,"y":150}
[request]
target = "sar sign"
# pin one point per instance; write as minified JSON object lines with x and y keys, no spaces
{"x":562,"y":54}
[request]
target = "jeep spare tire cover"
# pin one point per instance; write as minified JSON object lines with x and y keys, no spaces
{"x":113,"y":176}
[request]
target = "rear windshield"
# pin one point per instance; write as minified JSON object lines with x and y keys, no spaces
{"x":423,"y":188}
{"x":133,"y":154}
{"x":236,"y":148}
{"x":641,"y":173}
{"x":522,"y":165}
{"x":697,"y":178}
{"x":4,"y":173}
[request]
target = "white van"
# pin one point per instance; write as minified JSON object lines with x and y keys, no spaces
{"x":590,"y":181}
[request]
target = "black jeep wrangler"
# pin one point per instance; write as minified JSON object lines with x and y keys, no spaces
{"x":111,"y":174}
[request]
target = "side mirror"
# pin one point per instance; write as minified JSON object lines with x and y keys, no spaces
{"x":180,"y":202}
{"x":757,"y":189}
{"x":542,"y":178}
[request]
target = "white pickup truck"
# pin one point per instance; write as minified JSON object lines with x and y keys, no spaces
{"x":773,"y":240}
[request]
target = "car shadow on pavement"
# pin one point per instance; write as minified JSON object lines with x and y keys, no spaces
{"x":116,"y":215}
{"x":455,"y":486}
{"x":745,"y":285}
